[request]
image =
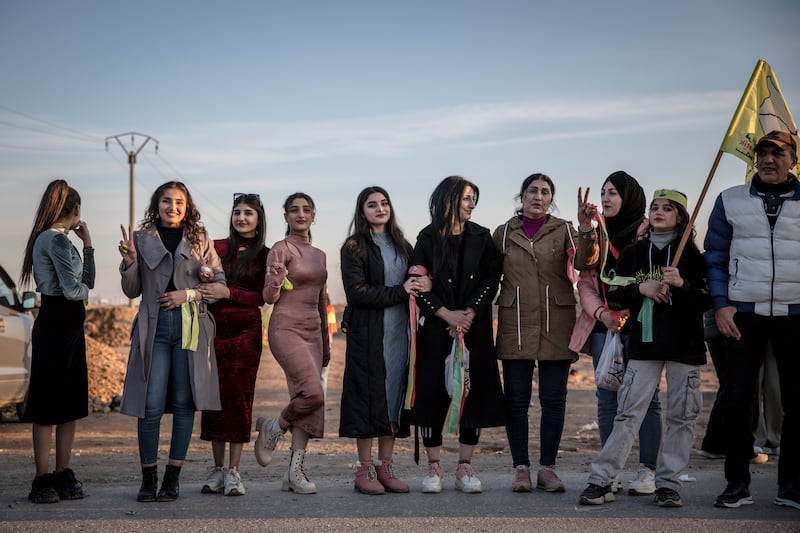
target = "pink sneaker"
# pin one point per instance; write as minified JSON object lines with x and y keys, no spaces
{"x":466,"y":480}
{"x":522,"y":479}
{"x":548,"y":480}
{"x":432,"y":482}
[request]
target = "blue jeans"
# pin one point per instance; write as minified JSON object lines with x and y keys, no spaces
{"x":649,"y":432}
{"x":517,"y":376}
{"x":168,"y":381}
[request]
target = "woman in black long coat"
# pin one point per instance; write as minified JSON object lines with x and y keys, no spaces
{"x":463,"y":262}
{"x":374,"y":264}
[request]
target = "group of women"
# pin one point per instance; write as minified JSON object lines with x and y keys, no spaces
{"x":196,"y":339}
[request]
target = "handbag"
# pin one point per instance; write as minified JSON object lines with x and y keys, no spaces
{"x":611,"y":365}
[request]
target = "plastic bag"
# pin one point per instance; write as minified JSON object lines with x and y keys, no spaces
{"x":456,"y":367}
{"x":611,"y":366}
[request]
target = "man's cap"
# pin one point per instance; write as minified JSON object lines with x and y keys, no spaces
{"x":781,"y":139}
{"x":671,"y":194}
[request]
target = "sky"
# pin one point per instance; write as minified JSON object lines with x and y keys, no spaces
{"x":329,"y":97}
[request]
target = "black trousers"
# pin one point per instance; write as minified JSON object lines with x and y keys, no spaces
{"x":744,"y":359}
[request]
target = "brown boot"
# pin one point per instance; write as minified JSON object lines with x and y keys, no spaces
{"x":367,"y":480}
{"x":387,"y":478}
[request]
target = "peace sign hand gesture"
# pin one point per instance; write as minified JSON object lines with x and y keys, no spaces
{"x":277,"y":267}
{"x":585,"y":210}
{"x":126,"y":248}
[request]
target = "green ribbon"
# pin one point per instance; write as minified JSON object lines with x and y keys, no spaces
{"x":190,"y":327}
{"x":645,"y":318}
{"x":459,"y":389}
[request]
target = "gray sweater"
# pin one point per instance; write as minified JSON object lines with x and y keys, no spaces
{"x":57,"y":266}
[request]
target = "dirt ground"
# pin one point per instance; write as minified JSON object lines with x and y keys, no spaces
{"x":105,"y":450}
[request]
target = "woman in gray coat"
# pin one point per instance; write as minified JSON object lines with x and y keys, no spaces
{"x":171,"y":366}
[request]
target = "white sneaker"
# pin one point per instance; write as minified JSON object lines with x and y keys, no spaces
{"x":233,"y":483}
{"x":615,"y":485}
{"x":643,"y":483}
{"x":269,"y":433}
{"x":466,"y":480}
{"x":215,"y":481}
{"x":759,"y":458}
{"x":432,"y":482}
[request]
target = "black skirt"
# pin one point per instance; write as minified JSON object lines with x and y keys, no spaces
{"x":59,"y":386}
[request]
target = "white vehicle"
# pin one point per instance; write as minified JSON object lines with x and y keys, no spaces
{"x":16,"y":324}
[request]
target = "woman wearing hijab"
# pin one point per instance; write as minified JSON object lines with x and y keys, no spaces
{"x":623,"y":209}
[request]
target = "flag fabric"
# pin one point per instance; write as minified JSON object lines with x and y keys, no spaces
{"x":762,"y":109}
{"x":457,"y":383}
{"x":411,"y":379}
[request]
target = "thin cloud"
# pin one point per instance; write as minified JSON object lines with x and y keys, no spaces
{"x":226,"y":146}
{"x":265,"y":143}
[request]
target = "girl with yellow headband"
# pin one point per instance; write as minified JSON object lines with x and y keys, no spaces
{"x":666,"y":306}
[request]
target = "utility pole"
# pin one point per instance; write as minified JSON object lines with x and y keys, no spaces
{"x":132,"y":153}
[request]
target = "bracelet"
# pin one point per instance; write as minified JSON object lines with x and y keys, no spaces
{"x":275,"y":286}
{"x":591,"y":229}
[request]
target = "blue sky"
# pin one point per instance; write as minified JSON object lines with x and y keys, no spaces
{"x":329,"y":97}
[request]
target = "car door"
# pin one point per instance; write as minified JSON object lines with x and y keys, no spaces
{"x":15,"y":345}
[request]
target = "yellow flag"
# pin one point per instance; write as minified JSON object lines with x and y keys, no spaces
{"x":761,"y":110}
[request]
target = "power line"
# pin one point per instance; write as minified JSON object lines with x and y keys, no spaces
{"x":86,"y":136}
{"x":37,"y":130}
{"x":60,"y":150}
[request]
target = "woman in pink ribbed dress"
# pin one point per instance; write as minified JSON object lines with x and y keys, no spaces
{"x":298,"y":337}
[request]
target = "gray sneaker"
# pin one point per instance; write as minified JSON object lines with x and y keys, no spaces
{"x":215,"y":481}
{"x":233,"y":483}
{"x":644,"y":482}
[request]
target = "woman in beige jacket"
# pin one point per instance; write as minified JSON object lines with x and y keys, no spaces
{"x":536,"y":313}
{"x":171,"y":366}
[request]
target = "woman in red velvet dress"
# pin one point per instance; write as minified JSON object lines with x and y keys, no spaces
{"x":238,"y":341}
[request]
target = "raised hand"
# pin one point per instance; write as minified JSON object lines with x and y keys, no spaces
{"x":82,"y":231}
{"x":126,"y":247}
{"x":585,"y":210}
{"x":278,"y":266}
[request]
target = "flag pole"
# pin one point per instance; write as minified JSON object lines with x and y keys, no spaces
{"x":690,"y":227}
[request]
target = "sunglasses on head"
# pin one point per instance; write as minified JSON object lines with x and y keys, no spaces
{"x":247,"y":196}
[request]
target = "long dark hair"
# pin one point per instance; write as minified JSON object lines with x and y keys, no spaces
{"x":445,"y":203}
{"x":526,"y":183}
{"x":191,"y":220}
{"x":445,"y":210}
{"x":58,"y":200}
{"x":361,"y":231}
{"x":237,"y":263}
{"x":288,"y":203}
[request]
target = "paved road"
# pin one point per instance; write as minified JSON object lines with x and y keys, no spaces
{"x":337,"y":508}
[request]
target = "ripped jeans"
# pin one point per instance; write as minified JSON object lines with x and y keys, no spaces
{"x":684,"y":401}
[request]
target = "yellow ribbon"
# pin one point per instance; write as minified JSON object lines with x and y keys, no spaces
{"x":190,"y":327}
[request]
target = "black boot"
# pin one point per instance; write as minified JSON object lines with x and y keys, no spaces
{"x":147,"y":492}
{"x":170,"y":487}
{"x":67,"y":487}
{"x":42,"y":490}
